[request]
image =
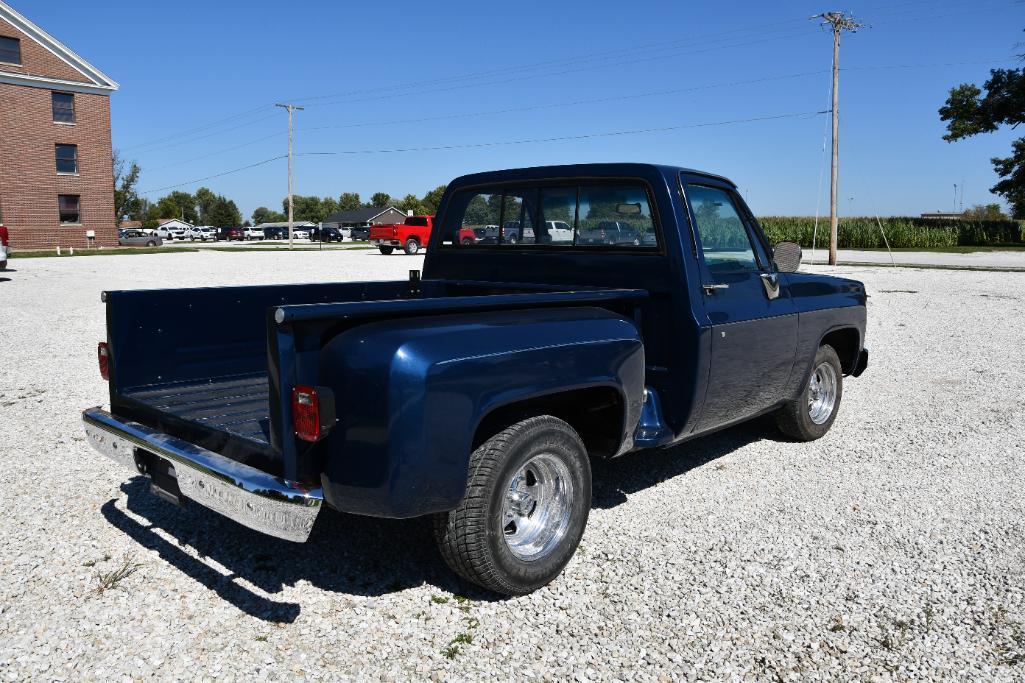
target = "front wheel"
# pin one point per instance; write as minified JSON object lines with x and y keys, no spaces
{"x":811,"y":414}
{"x":412,"y":247}
{"x":386,"y":250}
{"x":527,"y":500}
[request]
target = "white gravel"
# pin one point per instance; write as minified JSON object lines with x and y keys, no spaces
{"x":892,"y":549}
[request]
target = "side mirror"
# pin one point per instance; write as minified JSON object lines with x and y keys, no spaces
{"x":787,"y":257}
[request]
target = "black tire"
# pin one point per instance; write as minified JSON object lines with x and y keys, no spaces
{"x":151,"y":243}
{"x":467,"y":242}
{"x":794,"y":419}
{"x":386,"y":250}
{"x":412,"y":246}
{"x":472,"y":538}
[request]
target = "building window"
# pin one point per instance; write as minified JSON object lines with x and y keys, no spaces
{"x":69,"y":207}
{"x":67,"y":159}
{"x":63,"y":107}
{"x":10,"y":50}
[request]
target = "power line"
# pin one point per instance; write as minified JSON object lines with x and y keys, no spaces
{"x":211,"y":177}
{"x":564,"y":138}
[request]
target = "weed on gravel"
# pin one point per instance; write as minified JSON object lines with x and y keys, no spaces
{"x":111,"y":579}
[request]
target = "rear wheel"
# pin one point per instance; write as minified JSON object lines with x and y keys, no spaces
{"x":151,"y":243}
{"x":467,"y":242}
{"x":811,"y":414}
{"x":386,"y":250}
{"x":412,"y":247}
{"x":527,"y":500}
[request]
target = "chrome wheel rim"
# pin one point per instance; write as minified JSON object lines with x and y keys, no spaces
{"x":822,"y":390}
{"x":536,"y":507}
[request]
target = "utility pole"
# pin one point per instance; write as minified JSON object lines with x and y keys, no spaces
{"x":839,"y":22}
{"x":290,"y":108}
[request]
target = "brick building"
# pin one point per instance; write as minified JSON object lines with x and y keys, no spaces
{"x":56,"y":179}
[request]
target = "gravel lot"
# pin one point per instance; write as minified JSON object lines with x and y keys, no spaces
{"x":891,"y":549}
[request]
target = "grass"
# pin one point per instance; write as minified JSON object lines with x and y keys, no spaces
{"x":947,"y":250}
{"x":111,"y":579}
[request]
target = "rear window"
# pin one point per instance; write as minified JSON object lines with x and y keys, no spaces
{"x":417,"y":220}
{"x":598,"y":215}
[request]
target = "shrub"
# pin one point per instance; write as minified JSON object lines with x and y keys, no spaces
{"x":861,"y":232}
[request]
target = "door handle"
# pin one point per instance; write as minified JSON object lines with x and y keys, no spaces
{"x":710,"y":289}
{"x":771,"y":283}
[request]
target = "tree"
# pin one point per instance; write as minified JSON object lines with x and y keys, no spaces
{"x":988,"y":212}
{"x":328,"y":205}
{"x":224,"y":213}
{"x":380,"y":200}
{"x":126,"y":199}
{"x":264,"y":215}
{"x":205,"y":202}
{"x":412,"y":203}
{"x":180,"y":205}
{"x":349,"y":201}
{"x":968,"y":113}
{"x":433,"y":198}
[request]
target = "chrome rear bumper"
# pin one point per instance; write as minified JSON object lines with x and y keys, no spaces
{"x":245,"y":494}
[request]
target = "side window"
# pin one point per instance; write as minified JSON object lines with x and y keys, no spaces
{"x":724,"y":240}
{"x":519,"y":209}
{"x":615,"y":215}
{"x":558,"y":215}
{"x":473,"y":219}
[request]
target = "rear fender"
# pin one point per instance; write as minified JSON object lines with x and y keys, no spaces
{"x":411,"y":393}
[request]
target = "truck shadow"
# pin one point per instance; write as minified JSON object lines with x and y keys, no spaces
{"x":353,"y":555}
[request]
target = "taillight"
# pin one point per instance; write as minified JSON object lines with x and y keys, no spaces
{"x":103,"y":356}
{"x":306,"y":413}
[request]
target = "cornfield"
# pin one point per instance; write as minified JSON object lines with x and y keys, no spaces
{"x":862,"y":232}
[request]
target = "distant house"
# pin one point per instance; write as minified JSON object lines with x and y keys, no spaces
{"x":359,"y":217}
{"x":305,"y":225}
{"x":173,"y":223}
{"x":941,"y":216}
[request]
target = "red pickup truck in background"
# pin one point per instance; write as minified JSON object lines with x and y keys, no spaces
{"x":411,"y":235}
{"x":5,"y":246}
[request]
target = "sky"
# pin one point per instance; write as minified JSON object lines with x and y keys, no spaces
{"x":403,"y":97}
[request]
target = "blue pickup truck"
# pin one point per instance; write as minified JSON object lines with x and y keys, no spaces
{"x":478,"y":393}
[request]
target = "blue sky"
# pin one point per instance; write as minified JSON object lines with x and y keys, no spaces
{"x":199,"y":79}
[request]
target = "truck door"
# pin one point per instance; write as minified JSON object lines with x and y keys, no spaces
{"x":749,"y":310}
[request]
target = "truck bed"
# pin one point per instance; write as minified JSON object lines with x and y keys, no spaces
{"x":236,"y":405}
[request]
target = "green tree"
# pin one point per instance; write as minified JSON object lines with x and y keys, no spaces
{"x":412,"y":203}
{"x":180,"y":205}
{"x":433,"y":198}
{"x":223,"y":213}
{"x":968,"y":113}
{"x":205,"y":202}
{"x":987,"y":212}
{"x":349,"y":201}
{"x":264,"y":215}
{"x":126,"y":198}
{"x":380,"y":200}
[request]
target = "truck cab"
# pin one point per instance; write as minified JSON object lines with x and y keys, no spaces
{"x":479,"y":392}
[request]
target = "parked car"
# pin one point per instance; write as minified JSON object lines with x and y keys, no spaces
{"x":253,"y":234}
{"x":485,"y":234}
{"x":236,"y":234}
{"x":5,"y":246}
{"x":610,"y":233}
{"x":326,"y":235}
{"x":359,"y":232}
{"x":165,"y":233}
{"x":513,"y":234}
{"x":275,"y":233}
{"x":203,"y":233}
{"x":300,"y":234}
{"x":409,"y":235}
{"x":557,"y":232}
{"x":137,"y":238}
{"x":224,"y":234}
{"x":479,"y":394}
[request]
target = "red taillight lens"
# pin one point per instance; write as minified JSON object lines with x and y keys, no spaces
{"x":103,"y":356}
{"x":306,"y":413}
